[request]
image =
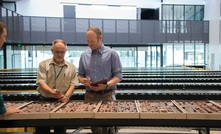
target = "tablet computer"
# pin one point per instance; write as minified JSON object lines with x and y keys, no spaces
{"x":103,"y":81}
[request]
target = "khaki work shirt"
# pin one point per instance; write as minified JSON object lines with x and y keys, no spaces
{"x":59,"y":77}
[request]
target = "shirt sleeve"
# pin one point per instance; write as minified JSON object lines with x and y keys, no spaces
{"x":41,"y":73}
{"x":116,"y":65}
{"x":2,"y":106}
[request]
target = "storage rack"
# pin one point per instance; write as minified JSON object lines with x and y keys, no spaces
{"x":136,"y":84}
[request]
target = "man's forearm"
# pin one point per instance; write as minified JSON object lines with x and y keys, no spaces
{"x":70,"y":91}
{"x":45,"y":87}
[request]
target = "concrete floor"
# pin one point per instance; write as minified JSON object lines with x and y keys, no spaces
{"x":148,"y":130}
{"x":122,"y":130}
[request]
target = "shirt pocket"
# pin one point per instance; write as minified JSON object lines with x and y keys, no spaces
{"x":67,"y":81}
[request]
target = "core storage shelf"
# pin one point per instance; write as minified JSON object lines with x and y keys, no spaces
{"x":204,"y":109}
{"x":118,"y":109}
{"x":123,"y":109}
{"x":156,"y":109}
{"x":33,"y":110}
{"x":76,"y":109}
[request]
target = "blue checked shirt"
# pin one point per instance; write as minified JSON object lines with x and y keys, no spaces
{"x":103,"y":64}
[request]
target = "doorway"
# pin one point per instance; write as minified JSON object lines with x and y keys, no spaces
{"x":149,"y":14}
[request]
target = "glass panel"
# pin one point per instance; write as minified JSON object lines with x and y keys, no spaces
{"x":178,"y":54}
{"x":167,"y":55}
{"x":189,"y":54}
{"x":189,"y":13}
{"x":72,"y":55}
{"x":199,"y":54}
{"x":178,"y":12}
{"x":167,"y":13}
{"x":153,"y":56}
{"x":16,"y":57}
{"x":199,"y":13}
{"x":142,"y":60}
{"x":127,"y":56}
{"x":9,"y":5}
{"x":31,"y":56}
{"x":149,"y":56}
{"x":1,"y":59}
{"x":183,"y":12}
{"x":158,"y":56}
{"x":42,"y":53}
{"x":28,"y":56}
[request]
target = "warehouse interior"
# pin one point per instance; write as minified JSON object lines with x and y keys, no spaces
{"x":169,"y":50}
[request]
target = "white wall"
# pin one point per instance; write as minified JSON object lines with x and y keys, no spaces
{"x":212,"y":13}
{"x":54,"y":8}
{"x":106,"y":12}
{"x":46,"y":8}
{"x":115,"y":10}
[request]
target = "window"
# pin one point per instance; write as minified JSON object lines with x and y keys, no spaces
{"x":9,"y":5}
{"x":182,"y":12}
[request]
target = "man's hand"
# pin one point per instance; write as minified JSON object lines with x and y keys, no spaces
{"x":86,"y":81}
{"x":10,"y":111}
{"x":63,"y":99}
{"x":56,"y":93}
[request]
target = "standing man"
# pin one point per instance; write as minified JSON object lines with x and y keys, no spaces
{"x":56,"y":79}
{"x":97,"y":63}
{"x":3,"y":109}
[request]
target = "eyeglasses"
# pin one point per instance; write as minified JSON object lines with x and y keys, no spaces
{"x":59,"y":52}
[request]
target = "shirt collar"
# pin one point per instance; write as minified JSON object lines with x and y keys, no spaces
{"x":100,"y":51}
